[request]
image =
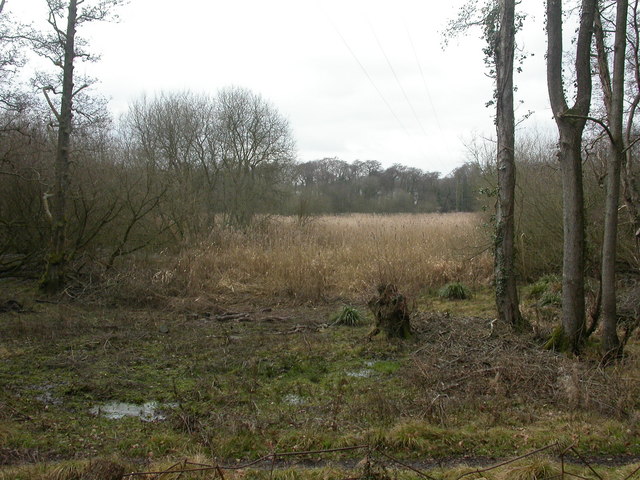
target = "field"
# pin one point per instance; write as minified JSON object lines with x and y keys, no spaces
{"x":233,"y":350}
{"x":324,"y":259}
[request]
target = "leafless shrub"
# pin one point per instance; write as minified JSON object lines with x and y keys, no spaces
{"x":489,"y":369}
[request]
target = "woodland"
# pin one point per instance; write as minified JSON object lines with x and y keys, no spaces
{"x":181,"y":297}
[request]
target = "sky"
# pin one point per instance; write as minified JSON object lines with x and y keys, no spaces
{"x":357,"y":79}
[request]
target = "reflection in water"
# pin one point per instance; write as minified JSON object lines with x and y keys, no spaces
{"x":147,"y":412}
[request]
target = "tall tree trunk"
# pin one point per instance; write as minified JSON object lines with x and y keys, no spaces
{"x":505,"y":275}
{"x":631,"y":190}
{"x":614,"y":97}
{"x":54,"y":276}
{"x":570,"y":123}
{"x":573,"y":304}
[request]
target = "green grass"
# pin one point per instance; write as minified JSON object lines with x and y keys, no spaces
{"x":245,"y":389}
{"x":348,"y":316}
{"x":454,"y":291}
{"x":483,"y":304}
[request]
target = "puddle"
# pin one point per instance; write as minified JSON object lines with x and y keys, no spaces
{"x":293,"y":399}
{"x":147,"y":412}
{"x":362,"y":373}
{"x":47,"y":397}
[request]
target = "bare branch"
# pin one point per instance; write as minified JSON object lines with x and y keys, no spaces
{"x":45,"y":91}
{"x":593,"y":119}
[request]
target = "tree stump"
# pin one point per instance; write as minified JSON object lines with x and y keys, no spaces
{"x":391,"y":312}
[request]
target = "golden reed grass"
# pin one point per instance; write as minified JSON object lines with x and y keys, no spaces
{"x":334,"y":257}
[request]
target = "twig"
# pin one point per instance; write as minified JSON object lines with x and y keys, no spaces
{"x":493,"y":467}
{"x":184,"y":465}
{"x":273,"y":464}
{"x":405,"y":465}
{"x":225,"y":317}
{"x":220,"y":468}
{"x":245,"y":465}
{"x":168,"y":470}
{"x":632,"y":473}
{"x":457,"y":380}
{"x":316,"y":452}
{"x":186,"y":470}
{"x":585,"y":462}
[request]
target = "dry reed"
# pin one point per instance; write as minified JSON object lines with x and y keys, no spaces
{"x":330,"y":257}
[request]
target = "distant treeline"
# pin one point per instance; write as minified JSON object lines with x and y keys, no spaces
{"x":332,"y":185}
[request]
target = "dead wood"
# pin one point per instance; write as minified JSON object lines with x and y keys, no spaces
{"x":391,"y":313}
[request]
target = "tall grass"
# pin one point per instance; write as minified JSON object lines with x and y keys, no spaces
{"x":330,"y":257}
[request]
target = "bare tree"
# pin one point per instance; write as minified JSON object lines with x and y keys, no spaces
{"x":612,"y":84}
{"x":505,"y":272}
{"x":12,"y":58}
{"x":226,"y":155}
{"x":255,"y":144}
{"x":571,"y":122}
{"x":630,"y":175}
{"x":175,"y":135}
{"x":62,"y":48}
{"x":498,"y":20}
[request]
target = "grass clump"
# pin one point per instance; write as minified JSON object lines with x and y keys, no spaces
{"x":552,"y":299}
{"x":532,"y":469}
{"x":348,"y":316}
{"x":547,"y":291}
{"x":454,"y":291}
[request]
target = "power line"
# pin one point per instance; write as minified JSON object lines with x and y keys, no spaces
{"x":353,"y":54}
{"x":417,"y":146}
{"x":393,"y":71}
{"x":424,"y":79}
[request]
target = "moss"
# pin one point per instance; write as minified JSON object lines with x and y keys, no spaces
{"x":558,"y":341}
{"x":386,"y":366}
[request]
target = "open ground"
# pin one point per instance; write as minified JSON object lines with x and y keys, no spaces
{"x":233,"y":348}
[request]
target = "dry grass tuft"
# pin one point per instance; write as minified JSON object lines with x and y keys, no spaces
{"x":102,"y":469}
{"x":96,"y":469}
{"x":537,"y":468}
{"x":64,"y":472}
{"x":330,"y":257}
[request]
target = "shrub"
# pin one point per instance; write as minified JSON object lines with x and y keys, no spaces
{"x":349,"y":316}
{"x":454,"y":291}
{"x":547,"y":291}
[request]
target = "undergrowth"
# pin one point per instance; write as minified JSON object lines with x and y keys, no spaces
{"x":232,"y":339}
{"x":329,"y":258}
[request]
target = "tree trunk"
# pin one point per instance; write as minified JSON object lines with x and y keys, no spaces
{"x":573,"y":304}
{"x":54,"y":276}
{"x":570,"y":123}
{"x":615,"y":105}
{"x":505,"y":276}
{"x":631,"y":191}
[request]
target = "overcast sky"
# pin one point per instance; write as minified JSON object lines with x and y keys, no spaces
{"x":357,"y":79}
